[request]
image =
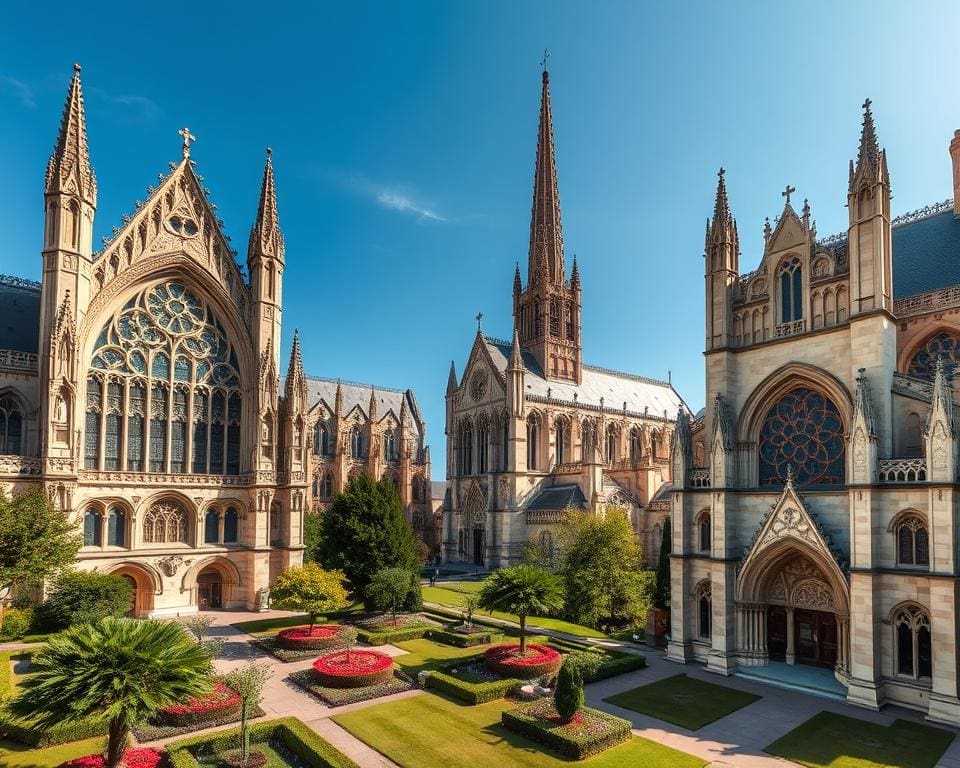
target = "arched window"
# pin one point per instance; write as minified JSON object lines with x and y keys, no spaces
{"x":165,"y":523}
{"x":231,"y":526}
{"x":326,"y":487}
{"x":635,"y":445}
{"x":791,"y":291}
{"x":945,"y":346}
{"x":356,"y":442}
{"x":321,"y":440}
{"x":704,"y":609}
{"x":611,"y":447}
{"x":912,"y":639}
{"x":561,"y":430}
{"x":802,"y":431}
{"x":316,"y":486}
{"x":504,"y":443}
{"x":389,"y":445}
{"x":704,"y":537}
{"x":533,"y":441}
{"x":211,"y":527}
{"x":483,"y":445}
{"x":588,"y":432}
{"x":466,"y":447}
{"x":92,"y":528}
{"x":913,"y":436}
{"x":11,"y":427}
{"x":116,"y":528}
{"x":163,"y":350}
{"x":913,"y":544}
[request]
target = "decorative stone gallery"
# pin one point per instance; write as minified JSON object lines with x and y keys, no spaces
{"x":818,"y":524}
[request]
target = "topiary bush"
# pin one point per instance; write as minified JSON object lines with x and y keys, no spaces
{"x":568,"y":697}
{"x":16,"y":623}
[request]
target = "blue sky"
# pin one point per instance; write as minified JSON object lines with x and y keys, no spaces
{"x":404,"y":138}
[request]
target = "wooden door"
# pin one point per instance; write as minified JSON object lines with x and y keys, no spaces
{"x":807,"y":642}
{"x":777,"y":632}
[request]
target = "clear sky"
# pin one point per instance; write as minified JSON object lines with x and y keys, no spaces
{"x":404,"y":138}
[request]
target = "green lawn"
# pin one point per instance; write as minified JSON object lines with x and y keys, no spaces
{"x":431,"y":731}
{"x":259,"y":627}
{"x":683,"y":701}
{"x":452,"y":595}
{"x":13,"y":755}
{"x":427,"y":654}
{"x":834,"y":741}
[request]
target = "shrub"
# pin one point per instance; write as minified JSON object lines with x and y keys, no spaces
{"x":537,"y":661}
{"x":338,"y":697}
{"x":383,"y":637}
{"x":617,"y":666}
{"x":27,"y":732}
{"x":84,"y":597}
{"x":462,"y":640}
{"x":568,"y":697}
{"x":352,"y":669}
{"x":16,"y":623}
{"x":220,"y":704}
{"x":132,"y":758}
{"x":311,"y":589}
{"x":591,"y":732}
{"x":321,"y":637}
{"x":472,"y":693}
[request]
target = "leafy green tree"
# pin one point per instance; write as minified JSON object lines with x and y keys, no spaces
{"x":568,"y":696}
{"x":470,"y":604}
{"x":83,"y":597}
{"x":198,"y":625}
{"x":311,"y":589}
{"x":248,"y":683}
{"x":661,"y":590}
{"x":522,"y":590}
{"x":119,"y":669}
{"x":364,"y":530}
{"x":388,"y":589}
{"x":312,"y":526}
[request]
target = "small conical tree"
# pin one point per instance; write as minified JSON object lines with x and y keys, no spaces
{"x":568,"y":697}
{"x":661,"y":590}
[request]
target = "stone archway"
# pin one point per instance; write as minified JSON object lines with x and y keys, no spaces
{"x":213,"y":584}
{"x":146,"y":583}
{"x":474,"y":525}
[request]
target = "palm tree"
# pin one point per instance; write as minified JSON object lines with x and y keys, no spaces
{"x":120,"y":670}
{"x":522,"y":590}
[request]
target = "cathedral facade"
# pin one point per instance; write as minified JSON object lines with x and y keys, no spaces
{"x":531,"y":430}
{"x":140,"y":390}
{"x":818,"y":524}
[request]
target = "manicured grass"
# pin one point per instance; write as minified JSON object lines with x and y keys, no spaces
{"x":431,"y":731}
{"x":683,"y":701}
{"x":13,"y":755}
{"x":453,"y":596}
{"x":427,"y":654}
{"x":268,"y":626}
{"x":834,"y":741}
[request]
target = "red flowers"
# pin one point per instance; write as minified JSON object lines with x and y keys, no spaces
{"x":134,"y":758}
{"x":352,"y":669}
{"x":538,"y":661}
{"x":303,"y":638}
{"x":221,"y":702}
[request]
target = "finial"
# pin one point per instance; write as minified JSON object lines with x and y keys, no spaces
{"x":187,"y":138}
{"x":479,"y":322}
{"x":721,"y":172}
{"x":269,"y":153}
{"x":866,"y":104}
{"x":787,"y":192}
{"x":543,"y":61}
{"x":77,"y":68}
{"x":789,"y":474}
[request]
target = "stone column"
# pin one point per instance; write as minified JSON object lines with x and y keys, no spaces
{"x":944,"y":704}
{"x":791,"y":642}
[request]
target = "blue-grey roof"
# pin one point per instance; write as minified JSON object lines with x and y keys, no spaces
{"x":926,"y":254}
{"x":19,"y":315}
{"x":558,"y":497}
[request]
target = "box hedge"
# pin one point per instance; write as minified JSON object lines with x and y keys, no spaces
{"x":461,"y":640}
{"x":530,"y":721}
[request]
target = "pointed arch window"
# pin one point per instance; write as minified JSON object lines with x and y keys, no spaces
{"x":116,"y":527}
{"x":466,"y":448}
{"x":356,"y":442}
{"x":611,"y":447}
{"x":165,"y":523}
{"x":914,"y":650}
{"x":504,"y":443}
{"x":704,"y":610}
{"x":561,"y":430}
{"x":91,"y":436}
{"x":635,"y":445}
{"x":11,"y":426}
{"x":136,"y":411}
{"x":802,"y":431}
{"x":92,"y":528}
{"x":533,"y":441}
{"x":791,"y":290}
{"x":389,"y":445}
{"x":321,"y":440}
{"x":326,"y":487}
{"x":913,"y":542}
{"x":211,"y":527}
{"x":587,"y":437}
{"x":945,"y":346}
{"x":231,"y":526}
{"x":704,"y":533}
{"x":483,"y":446}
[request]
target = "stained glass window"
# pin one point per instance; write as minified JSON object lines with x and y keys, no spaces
{"x":211,"y":527}
{"x":116,"y":528}
{"x":162,"y":336}
{"x":165,"y":523}
{"x":11,"y":426}
{"x":913,"y":546}
{"x":924,"y":363}
{"x":231,"y":524}
{"x":802,"y":431}
{"x":91,"y":529}
{"x":791,"y":291}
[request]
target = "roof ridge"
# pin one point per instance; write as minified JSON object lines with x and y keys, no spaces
{"x":910,"y":217}
{"x":20,"y":282}
{"x":349,"y":383}
{"x":625,"y":375}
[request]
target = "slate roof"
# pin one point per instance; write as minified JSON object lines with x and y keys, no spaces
{"x":355,"y":395}
{"x":558,"y":497}
{"x":926,"y":254}
{"x":639,"y":393}
{"x":19,"y":314}
{"x":438,"y":489}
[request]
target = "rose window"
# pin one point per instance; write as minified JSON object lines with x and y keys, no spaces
{"x":944,"y":346}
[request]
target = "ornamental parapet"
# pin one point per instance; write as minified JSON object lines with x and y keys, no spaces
{"x":907,"y":385}
{"x":782,"y":330}
{"x":921,"y":303}
{"x":569,"y":468}
{"x":699,"y":477}
{"x":14,"y":360}
{"x":544,"y":516}
{"x":160,"y":478}
{"x":902,"y":470}
{"x":20,"y":466}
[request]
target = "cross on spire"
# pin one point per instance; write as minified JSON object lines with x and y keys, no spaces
{"x":867,"y":103}
{"x":187,"y":138}
{"x":787,"y":192}
{"x":479,"y":321}
{"x":543,"y":61}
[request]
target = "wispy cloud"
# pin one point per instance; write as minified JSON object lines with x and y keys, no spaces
{"x":19,"y":89}
{"x":392,"y":196}
{"x":138,"y":107}
{"x":399,"y":202}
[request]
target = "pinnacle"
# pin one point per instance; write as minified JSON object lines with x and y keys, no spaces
{"x":721,"y":206}
{"x":868,"y":155}
{"x":516,"y":359}
{"x":265,"y":236}
{"x":546,"y":231}
{"x":71,"y":155}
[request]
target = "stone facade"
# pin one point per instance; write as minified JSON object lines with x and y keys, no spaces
{"x":139,"y":388}
{"x":531,"y":430}
{"x":820,"y":524}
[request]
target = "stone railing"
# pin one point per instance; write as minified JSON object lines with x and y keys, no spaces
{"x":902,"y":470}
{"x":699,"y":477}
{"x":12,"y":360}
{"x":569,"y":468}
{"x":789,"y":329}
{"x":21,"y":466}
{"x":160,"y":478}
{"x":544,"y":516}
{"x":947,"y":298}
{"x":907,"y":385}
{"x":628,"y":464}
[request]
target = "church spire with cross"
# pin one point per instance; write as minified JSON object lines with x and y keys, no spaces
{"x":69,"y":170}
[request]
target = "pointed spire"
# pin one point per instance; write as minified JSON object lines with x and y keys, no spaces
{"x":372,"y":409}
{"x":266,"y":239}
{"x":517,"y":284}
{"x":722,"y":228}
{"x":296,"y":381}
{"x":575,"y":274}
{"x":338,"y":399}
{"x":516,"y":358}
{"x":452,"y":379}
{"x":863,"y":403}
{"x":942,"y":401}
{"x":721,"y":206}
{"x":546,"y":261}
{"x":869,"y":155}
{"x":403,"y":410}
{"x":68,"y":169}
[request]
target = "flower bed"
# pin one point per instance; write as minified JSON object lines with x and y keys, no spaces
{"x":157,"y":729}
{"x":352,"y":669}
{"x":220,"y":704}
{"x":455,"y":635}
{"x":320,"y":637}
{"x":471,"y":682}
{"x":338,"y":697}
{"x":590,"y":732}
{"x":537,"y":661}
{"x":134,"y":758}
{"x":380,"y":629}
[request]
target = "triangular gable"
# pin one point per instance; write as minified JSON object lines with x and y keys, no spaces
{"x":480,"y":352}
{"x":789,"y":232}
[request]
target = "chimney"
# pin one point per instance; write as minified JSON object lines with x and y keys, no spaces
{"x":955,"y":157}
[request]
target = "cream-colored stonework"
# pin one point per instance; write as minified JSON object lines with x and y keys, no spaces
{"x":843,"y":566}
{"x":140,"y":389}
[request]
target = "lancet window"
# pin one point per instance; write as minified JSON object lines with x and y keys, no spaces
{"x":163,"y":390}
{"x":165,"y":523}
{"x":791,"y":291}
{"x":914,"y":652}
{"x":913,"y":542}
{"x":11,"y":426}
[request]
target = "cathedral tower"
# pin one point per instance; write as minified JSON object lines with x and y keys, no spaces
{"x":722,"y":256}
{"x":547,"y":312}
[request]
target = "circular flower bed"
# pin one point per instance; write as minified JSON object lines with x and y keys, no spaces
{"x":134,"y":758}
{"x":321,"y":637}
{"x":220,"y":704}
{"x":352,"y":669}
{"x":538,"y":661}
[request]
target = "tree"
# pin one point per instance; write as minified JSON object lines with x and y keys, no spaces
{"x":600,"y":564}
{"x":36,"y":540}
{"x":364,"y":530}
{"x":311,"y":589}
{"x":84,"y":597}
{"x":661,"y":590}
{"x":119,"y":669}
{"x":248,"y":684}
{"x":522,"y":590}
{"x":470,"y":604}
{"x":388,"y":589}
{"x":198,"y":625}
{"x":312,"y":525}
{"x":568,"y":696}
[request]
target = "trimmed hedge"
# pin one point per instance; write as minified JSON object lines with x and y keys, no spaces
{"x":461,"y":640}
{"x":313,"y":750}
{"x":473,"y":693}
{"x":529,"y":721}
{"x":373,"y":637}
{"x":617,"y":666}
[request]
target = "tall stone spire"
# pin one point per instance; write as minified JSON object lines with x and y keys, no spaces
{"x":516,"y":358}
{"x":68,"y":170}
{"x":546,"y":262}
{"x":871,"y":160}
{"x":452,"y":378}
{"x":723,"y":227}
{"x":266,"y":239}
{"x":295,"y":384}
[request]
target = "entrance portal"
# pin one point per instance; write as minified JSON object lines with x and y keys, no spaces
{"x":478,"y":546}
{"x":816,"y":640}
{"x":209,"y":590}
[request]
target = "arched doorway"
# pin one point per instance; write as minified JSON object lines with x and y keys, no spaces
{"x":474,"y":525}
{"x":209,"y":589}
{"x":146,"y":585}
{"x":214,"y":584}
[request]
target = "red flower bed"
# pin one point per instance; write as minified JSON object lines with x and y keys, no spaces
{"x":538,"y":661}
{"x":352,"y":669}
{"x":222,"y":702}
{"x":134,"y":758}
{"x":322,"y":636}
